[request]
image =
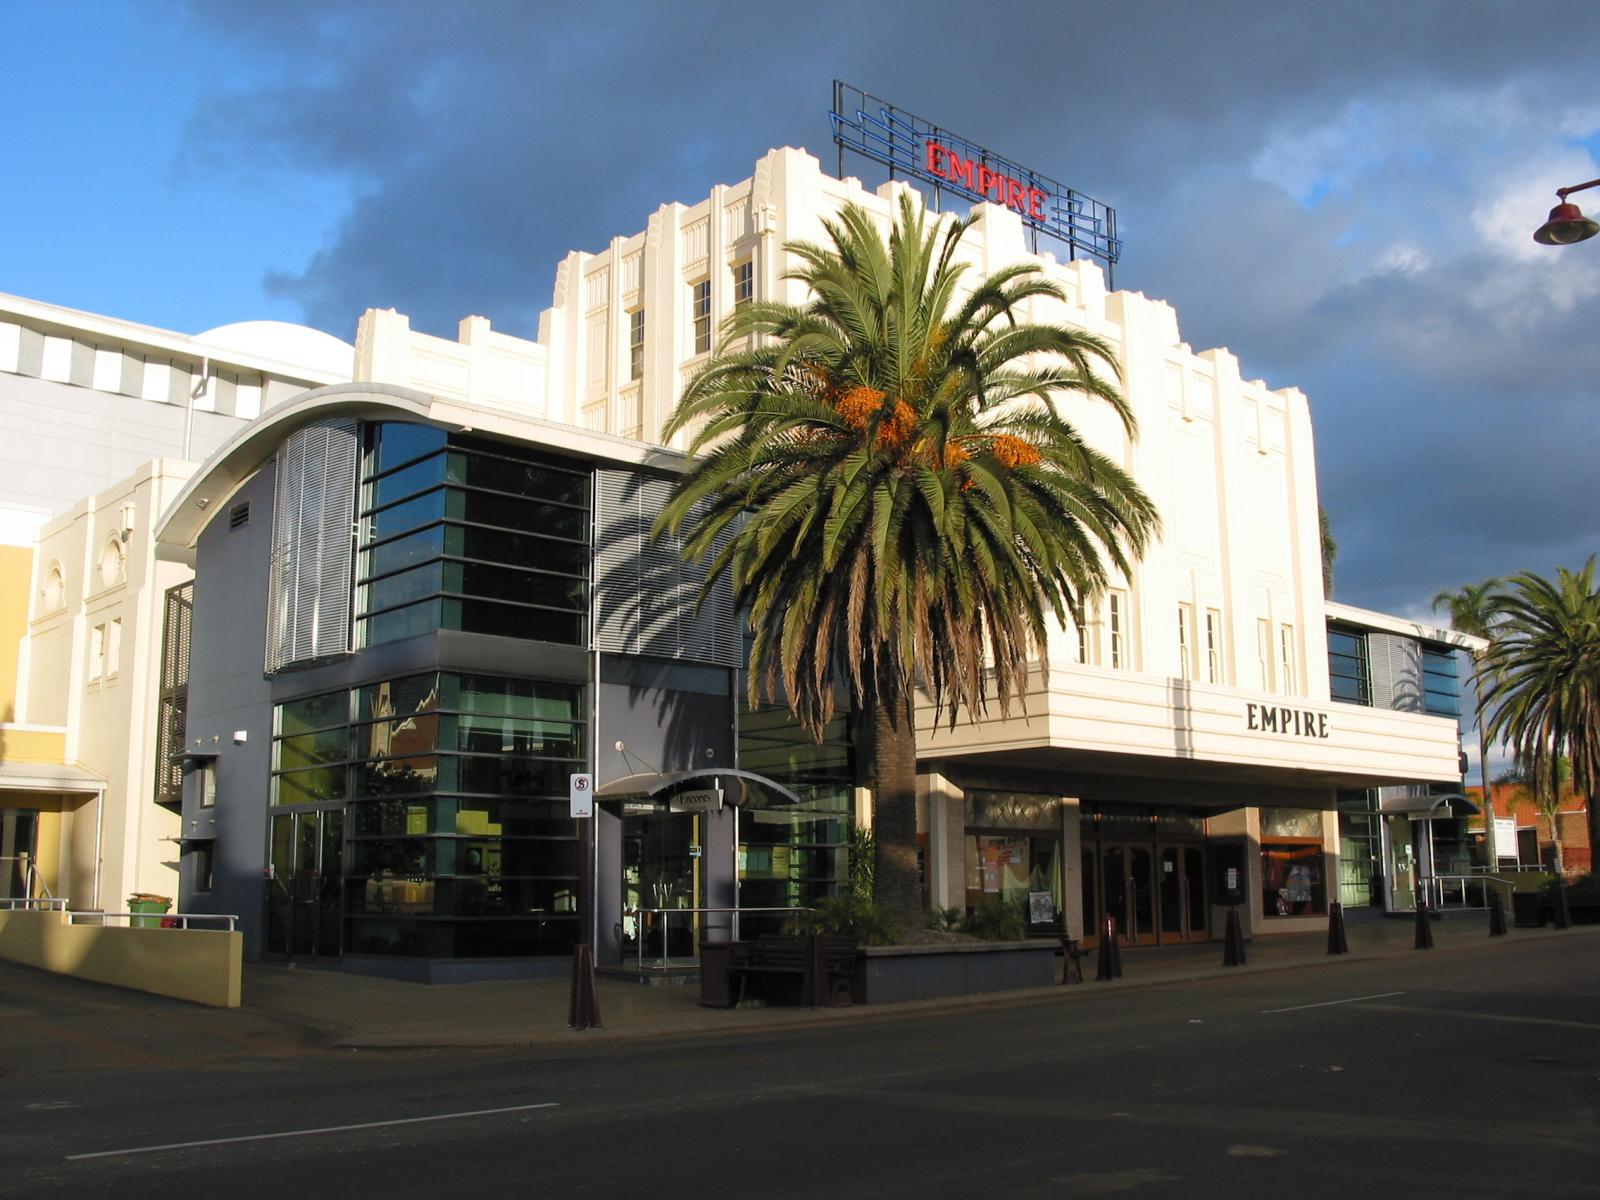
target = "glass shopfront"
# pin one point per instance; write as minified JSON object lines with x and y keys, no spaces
{"x":1013,"y":855}
{"x":426,"y":816}
{"x":1292,"y":863}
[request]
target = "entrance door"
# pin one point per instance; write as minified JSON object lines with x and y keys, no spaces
{"x":19,"y":831}
{"x":1127,"y":872}
{"x":305,"y":885}
{"x":1182,"y":892}
{"x":660,"y":873}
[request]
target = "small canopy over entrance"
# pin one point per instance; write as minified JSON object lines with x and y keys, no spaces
{"x":742,"y":789}
{"x":1428,"y":808}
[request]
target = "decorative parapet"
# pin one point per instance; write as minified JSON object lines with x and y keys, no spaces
{"x":483,"y":367}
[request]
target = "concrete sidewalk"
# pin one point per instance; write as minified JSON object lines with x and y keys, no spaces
{"x":357,"y":1012}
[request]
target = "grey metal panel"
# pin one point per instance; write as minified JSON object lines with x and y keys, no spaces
{"x":313,"y":544}
{"x":132,"y":374}
{"x":645,"y":593}
{"x":81,"y":369}
{"x":1396,"y":664}
{"x":30,"y":352}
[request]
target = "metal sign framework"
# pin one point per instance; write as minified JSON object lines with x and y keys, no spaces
{"x":903,"y":142}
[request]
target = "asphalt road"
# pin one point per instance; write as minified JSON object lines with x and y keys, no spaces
{"x":1459,"y":1075}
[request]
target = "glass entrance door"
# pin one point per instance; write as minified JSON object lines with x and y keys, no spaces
{"x":305,"y":884}
{"x":660,"y":872}
{"x":1182,"y":892}
{"x":1127,"y":874}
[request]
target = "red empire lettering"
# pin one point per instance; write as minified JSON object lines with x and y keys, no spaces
{"x":932,"y":161}
{"x":986,"y":179}
{"x":1013,"y":194}
{"x":1036,"y":200}
{"x":959,"y":170}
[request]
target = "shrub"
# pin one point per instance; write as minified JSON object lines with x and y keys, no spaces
{"x":845,"y":916}
{"x":997,"y":921}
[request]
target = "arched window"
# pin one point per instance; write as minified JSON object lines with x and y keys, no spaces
{"x":113,"y":563}
{"x":54,"y":593}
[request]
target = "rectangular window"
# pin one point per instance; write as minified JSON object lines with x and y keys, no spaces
{"x":1286,"y":657}
{"x":1264,"y":652}
{"x":1441,"y":695}
{"x":113,"y":647}
{"x":1213,"y":646}
{"x":1185,"y":640}
{"x":1117,"y":607}
{"x":200,"y":855}
{"x":207,"y":785}
{"x":744,"y":283}
{"x":57,"y":362}
{"x":157,"y":381}
{"x":107,"y":369}
{"x":1348,"y":678}
{"x":1082,"y":643}
{"x":636,"y":344}
{"x":701,"y":306}
{"x":97,"y":652}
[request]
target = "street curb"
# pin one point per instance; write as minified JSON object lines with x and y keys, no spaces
{"x":800,"y":1019}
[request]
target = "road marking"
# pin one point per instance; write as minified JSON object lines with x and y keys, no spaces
{"x":263,"y":1137}
{"x":1331,"y":1003}
{"x":1556,"y":1022}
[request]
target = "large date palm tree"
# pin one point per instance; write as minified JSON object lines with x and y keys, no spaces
{"x":1544,"y":679}
{"x":887,"y":474}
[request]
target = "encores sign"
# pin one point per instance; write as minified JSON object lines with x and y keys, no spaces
{"x":945,"y":163}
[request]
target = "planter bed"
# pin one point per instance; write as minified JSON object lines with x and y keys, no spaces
{"x":886,"y":974}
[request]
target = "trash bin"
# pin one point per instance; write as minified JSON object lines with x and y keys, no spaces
{"x":716,"y":983}
{"x":146,"y":903}
{"x":1527,"y":909}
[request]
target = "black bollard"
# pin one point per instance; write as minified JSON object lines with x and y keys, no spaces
{"x":1424,"y":926}
{"x":1337,"y":944}
{"x":814,"y":991}
{"x":1108,"y":963}
{"x":1497,"y":916}
{"x":1562,"y":916}
{"x":583,"y":1011}
{"x":1233,"y":940}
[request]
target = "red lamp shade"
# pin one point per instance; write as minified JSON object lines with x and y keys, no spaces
{"x":1566,"y":225}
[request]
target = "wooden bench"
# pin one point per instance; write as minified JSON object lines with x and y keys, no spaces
{"x":823,"y":969}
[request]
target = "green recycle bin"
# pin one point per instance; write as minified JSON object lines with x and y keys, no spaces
{"x":147,"y":910}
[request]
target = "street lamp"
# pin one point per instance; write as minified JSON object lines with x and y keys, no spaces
{"x":1567,"y":224}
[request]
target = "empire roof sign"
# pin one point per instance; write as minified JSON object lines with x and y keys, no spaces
{"x":904,"y":142}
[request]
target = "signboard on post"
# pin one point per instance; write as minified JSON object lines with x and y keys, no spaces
{"x":580,"y":794}
{"x":1505,"y":838}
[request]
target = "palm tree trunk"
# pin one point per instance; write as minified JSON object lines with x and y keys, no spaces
{"x":894,"y":811}
{"x":1495,"y":849}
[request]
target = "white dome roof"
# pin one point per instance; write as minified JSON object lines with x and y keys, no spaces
{"x":296,"y":345}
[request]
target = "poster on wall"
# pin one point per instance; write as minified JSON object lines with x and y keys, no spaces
{"x":1505,"y":839}
{"x":1041,"y":908}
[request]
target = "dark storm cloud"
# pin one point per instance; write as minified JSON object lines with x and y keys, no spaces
{"x":1328,"y":190}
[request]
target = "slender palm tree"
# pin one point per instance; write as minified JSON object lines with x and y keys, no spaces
{"x":888,"y":477}
{"x":1544,"y":679}
{"x":1471,"y":611}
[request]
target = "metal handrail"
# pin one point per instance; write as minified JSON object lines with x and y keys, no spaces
{"x":664,"y":913}
{"x":44,"y":903}
{"x":1435,"y":885}
{"x":163,"y":920}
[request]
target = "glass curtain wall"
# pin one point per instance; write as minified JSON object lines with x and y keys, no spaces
{"x":1360,"y":850}
{"x":791,"y":856}
{"x":453,"y":786}
{"x":469,"y":534}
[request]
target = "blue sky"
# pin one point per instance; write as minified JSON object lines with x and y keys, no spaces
{"x":1343,"y":195}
